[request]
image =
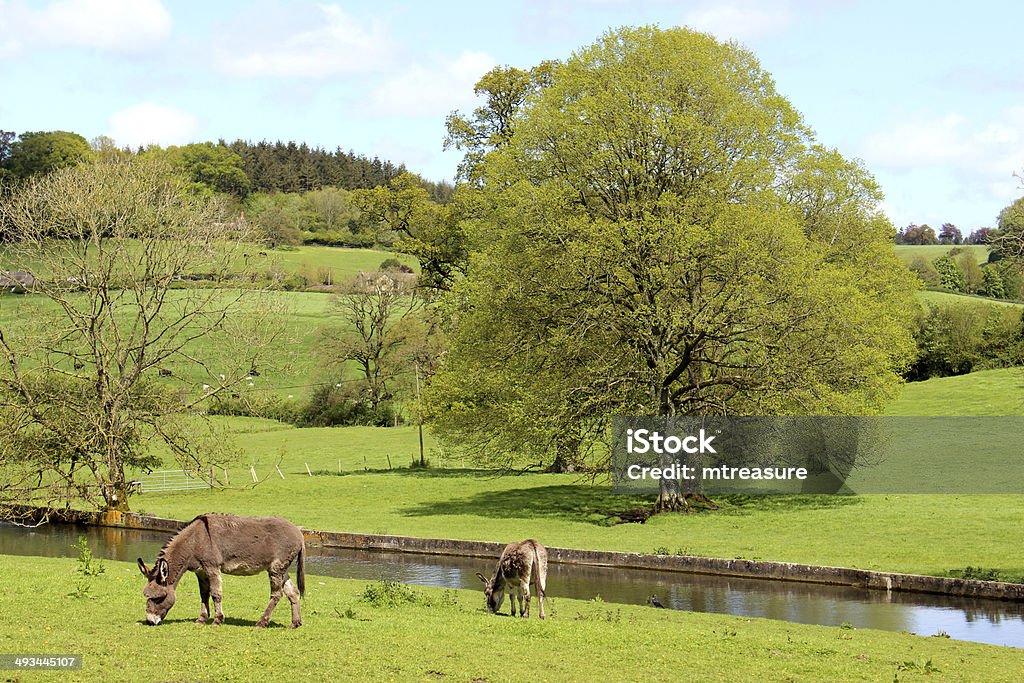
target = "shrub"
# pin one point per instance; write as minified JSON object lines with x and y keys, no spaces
{"x":954,"y":339}
{"x":951,"y":275}
{"x":342,"y":406}
{"x":387,"y":593}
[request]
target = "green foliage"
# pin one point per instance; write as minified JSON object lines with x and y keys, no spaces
{"x":994,"y":282}
{"x":917,"y":234}
{"x":87,"y":564}
{"x":88,"y":568}
{"x":505,"y":90}
{"x":415,"y":225}
{"x":40,"y":153}
{"x":951,"y":275}
{"x":326,"y":216}
{"x":1009,"y":240}
{"x":387,"y":593}
{"x":258,"y":404}
{"x":925,"y":271}
{"x":331,"y":405}
{"x":213,"y":168}
{"x":633,"y":250}
{"x":957,"y":338}
{"x":977,"y":574}
{"x":974,"y":278}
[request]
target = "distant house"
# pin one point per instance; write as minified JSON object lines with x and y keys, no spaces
{"x":17,"y":280}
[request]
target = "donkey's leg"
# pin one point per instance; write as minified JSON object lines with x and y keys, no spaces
{"x":541,"y":576}
{"x":524,"y":604}
{"x":215,"y":591}
{"x":293,"y":596}
{"x":539,"y":580}
{"x":204,"y":595}
{"x":277,"y":577}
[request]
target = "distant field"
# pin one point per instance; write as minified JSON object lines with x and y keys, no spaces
{"x":294,"y":353}
{"x":343,"y":262}
{"x":933,"y":251}
{"x":932,"y":298}
{"x":986,"y":392}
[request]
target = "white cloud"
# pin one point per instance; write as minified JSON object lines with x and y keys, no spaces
{"x":990,"y":149}
{"x":150,"y":123}
{"x":948,"y":167}
{"x":338,"y":45}
{"x":109,"y":25}
{"x":430,"y":91}
{"x":740,"y":20}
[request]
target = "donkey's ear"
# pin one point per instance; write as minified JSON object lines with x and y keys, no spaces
{"x":143,"y":568}
{"x":481,"y":577}
{"x":161,"y":568}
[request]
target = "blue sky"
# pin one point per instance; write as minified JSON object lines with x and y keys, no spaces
{"x":929,"y":94}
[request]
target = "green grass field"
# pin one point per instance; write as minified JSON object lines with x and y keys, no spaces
{"x":439,"y":635}
{"x":907,"y":252}
{"x":377,"y":492}
{"x":931,"y":298}
{"x":341,"y":261}
{"x":986,"y":392}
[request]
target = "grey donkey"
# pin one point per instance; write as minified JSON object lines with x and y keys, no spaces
{"x":213,"y":544}
{"x":519,"y":562}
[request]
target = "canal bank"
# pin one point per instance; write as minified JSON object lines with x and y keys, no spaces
{"x":739,"y":568}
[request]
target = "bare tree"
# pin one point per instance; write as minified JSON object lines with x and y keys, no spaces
{"x":140,"y":311}
{"x":384,"y":333}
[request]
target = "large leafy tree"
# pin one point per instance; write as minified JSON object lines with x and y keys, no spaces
{"x":421,"y":227}
{"x":663,"y":237}
{"x":213,"y":168}
{"x":1009,"y":241}
{"x":109,"y":355}
{"x":37,"y":153}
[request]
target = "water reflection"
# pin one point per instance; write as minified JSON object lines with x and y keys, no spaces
{"x":988,"y":621}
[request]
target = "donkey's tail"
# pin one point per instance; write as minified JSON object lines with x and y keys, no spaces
{"x":301,"y":571}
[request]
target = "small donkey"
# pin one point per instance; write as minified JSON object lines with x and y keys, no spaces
{"x":517,"y":564}
{"x":214,"y":543}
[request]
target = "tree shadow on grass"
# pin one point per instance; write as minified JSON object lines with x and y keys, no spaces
{"x":596,"y":505}
{"x":568,"y":502}
{"x":739,"y":504}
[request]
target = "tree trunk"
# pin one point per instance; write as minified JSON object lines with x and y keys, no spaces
{"x":567,"y":452}
{"x":115,"y":490}
{"x":675,"y":495}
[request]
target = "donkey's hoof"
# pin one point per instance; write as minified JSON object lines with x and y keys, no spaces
{"x":217,"y":621}
{"x":296,"y":624}
{"x":201,"y":620}
{"x":262,"y":623}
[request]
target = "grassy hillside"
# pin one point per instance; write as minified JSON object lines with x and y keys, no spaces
{"x":311,"y":260}
{"x":907,"y":252}
{"x":987,"y":392}
{"x":341,"y":261}
{"x":932,"y":298}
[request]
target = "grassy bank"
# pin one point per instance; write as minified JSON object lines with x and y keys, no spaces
{"x":440,"y":635}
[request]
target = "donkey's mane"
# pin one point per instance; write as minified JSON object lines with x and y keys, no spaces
{"x":172,"y":539}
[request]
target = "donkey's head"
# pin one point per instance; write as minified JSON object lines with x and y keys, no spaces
{"x":494,"y":591}
{"x":159,"y":593}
